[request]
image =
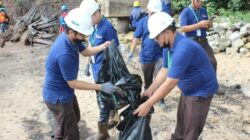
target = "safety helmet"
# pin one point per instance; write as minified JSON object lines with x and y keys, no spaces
{"x":158,"y":22}
{"x":89,"y":6}
{"x":79,"y":21}
{"x":154,"y":5}
{"x":64,"y":7}
{"x":136,"y":4}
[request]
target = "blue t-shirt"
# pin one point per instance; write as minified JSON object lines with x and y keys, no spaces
{"x":190,"y":16}
{"x":62,"y":65}
{"x":166,"y":6}
{"x":190,"y":64}
{"x":136,"y":15}
{"x":102,"y":33}
{"x":150,"y":50}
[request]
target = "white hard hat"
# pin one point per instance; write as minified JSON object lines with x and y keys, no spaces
{"x":79,"y":21}
{"x":89,"y":6}
{"x":158,"y":22}
{"x":154,"y":5}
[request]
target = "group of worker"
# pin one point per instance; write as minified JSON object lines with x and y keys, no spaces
{"x":4,"y":19}
{"x":168,"y":59}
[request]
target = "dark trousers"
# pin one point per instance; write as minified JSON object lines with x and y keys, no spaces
{"x":105,"y":105}
{"x":150,"y":71}
{"x":67,"y":116}
{"x":209,"y":50}
{"x":191,"y":117}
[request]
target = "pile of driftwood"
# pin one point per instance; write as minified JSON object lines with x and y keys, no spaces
{"x":39,"y":25}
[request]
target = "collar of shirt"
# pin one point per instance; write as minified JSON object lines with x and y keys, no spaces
{"x":72,"y":46}
{"x":177,"y":38}
{"x":99,"y":25}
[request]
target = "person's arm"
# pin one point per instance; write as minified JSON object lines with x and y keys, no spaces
{"x":94,"y":50}
{"x":134,"y":43}
{"x":160,"y":93}
{"x":185,"y":27}
{"x":81,"y":85}
{"x":160,"y":78}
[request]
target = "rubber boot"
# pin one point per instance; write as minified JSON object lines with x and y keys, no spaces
{"x":102,"y":132}
{"x":112,"y":119}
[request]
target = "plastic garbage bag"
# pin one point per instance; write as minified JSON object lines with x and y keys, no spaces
{"x":133,"y":127}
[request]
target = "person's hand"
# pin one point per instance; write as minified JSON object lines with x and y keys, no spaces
{"x":130,"y":56}
{"x":142,"y":110}
{"x":204,"y":24}
{"x":146,"y":93}
{"x":106,"y":44}
{"x":108,"y":88}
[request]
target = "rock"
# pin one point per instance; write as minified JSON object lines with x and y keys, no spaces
{"x":244,"y":40}
{"x":234,"y":36}
{"x":216,"y":49}
{"x":248,"y":39}
{"x":218,"y":28}
{"x":211,"y":33}
{"x":228,"y":34}
{"x":245,"y":30}
{"x":238,"y":43}
{"x":243,"y":50}
{"x":225,"y":25}
{"x":214,"y":42}
{"x":224,"y":43}
{"x":247,"y":45}
{"x":239,"y":24}
{"x":212,"y":37}
{"x":231,"y":50}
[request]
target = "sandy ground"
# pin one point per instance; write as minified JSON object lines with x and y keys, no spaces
{"x":24,"y":116}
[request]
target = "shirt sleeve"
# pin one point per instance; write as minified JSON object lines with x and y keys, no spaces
{"x":180,"y":62}
{"x":205,"y":11}
{"x":165,"y":58}
{"x":184,"y":18}
{"x":81,"y":47}
{"x":139,"y":29}
{"x":68,"y":69}
{"x":111,"y":34}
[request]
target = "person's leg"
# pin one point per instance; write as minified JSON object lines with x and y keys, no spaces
{"x":67,"y":128}
{"x":195,"y":116}
{"x":157,"y":68}
{"x":104,"y":108}
{"x":210,"y":53}
{"x":179,"y":129}
{"x":76,"y":109}
{"x":148,"y":70}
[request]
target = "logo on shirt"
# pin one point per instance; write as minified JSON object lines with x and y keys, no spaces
{"x":204,"y":16}
{"x":98,"y":36}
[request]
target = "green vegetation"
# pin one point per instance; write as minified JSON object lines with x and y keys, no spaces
{"x":235,"y":10}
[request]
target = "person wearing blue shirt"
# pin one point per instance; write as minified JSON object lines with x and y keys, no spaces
{"x":103,"y":32}
{"x":136,"y":14}
{"x":194,"y":23}
{"x":151,"y":52}
{"x":166,"y":6}
{"x":187,"y":65}
{"x":62,"y":67}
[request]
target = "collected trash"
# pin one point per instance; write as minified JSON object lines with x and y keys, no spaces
{"x":114,"y":69}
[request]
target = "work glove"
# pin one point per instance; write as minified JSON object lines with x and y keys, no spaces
{"x":130,"y":56}
{"x":86,"y":70}
{"x":108,"y":88}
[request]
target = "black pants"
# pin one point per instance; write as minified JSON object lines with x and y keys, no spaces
{"x":67,"y":116}
{"x":191,"y":117}
{"x":209,"y":50}
{"x":150,"y":71}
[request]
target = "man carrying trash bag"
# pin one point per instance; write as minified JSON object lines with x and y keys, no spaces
{"x":185,"y":63}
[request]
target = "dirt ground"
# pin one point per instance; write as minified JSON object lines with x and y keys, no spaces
{"x":24,"y":116}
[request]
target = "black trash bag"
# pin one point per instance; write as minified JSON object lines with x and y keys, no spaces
{"x":133,"y":127}
{"x":114,"y":69}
